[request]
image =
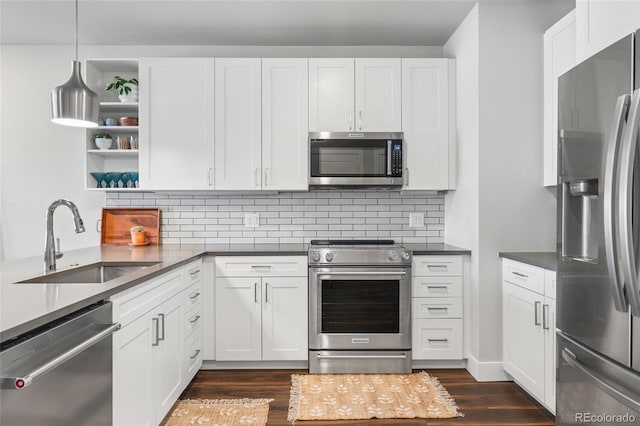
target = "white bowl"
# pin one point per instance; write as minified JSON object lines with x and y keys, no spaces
{"x":104,"y":143}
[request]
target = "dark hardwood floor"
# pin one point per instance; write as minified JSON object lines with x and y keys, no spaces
{"x":489,"y":403}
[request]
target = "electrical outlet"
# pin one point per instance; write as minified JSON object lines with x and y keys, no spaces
{"x":416,"y":220}
{"x":252,"y":220}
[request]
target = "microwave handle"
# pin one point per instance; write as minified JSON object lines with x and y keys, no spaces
{"x":389,"y":158}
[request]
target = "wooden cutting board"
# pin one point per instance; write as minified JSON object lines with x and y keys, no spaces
{"x":118,"y":221}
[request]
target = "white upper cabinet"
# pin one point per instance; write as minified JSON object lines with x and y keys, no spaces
{"x":378,"y":97}
{"x":176,"y":123}
{"x":428,"y":123}
{"x":600,"y":23}
{"x":559,"y":57}
{"x":285,"y":124}
{"x":238,"y":124}
{"x":331,"y":101}
{"x":347,"y":95}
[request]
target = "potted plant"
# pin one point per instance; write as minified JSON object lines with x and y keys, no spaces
{"x":103,"y":140}
{"x":138,"y":236}
{"x":127,"y":89}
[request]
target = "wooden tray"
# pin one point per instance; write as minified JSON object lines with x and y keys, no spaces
{"x":118,"y":221}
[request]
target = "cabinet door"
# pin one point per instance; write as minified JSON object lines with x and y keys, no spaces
{"x":377,"y":95}
{"x":237,"y":124}
{"x":600,"y":23}
{"x":238,"y":322}
{"x":176,"y":123}
{"x":167,"y":355}
{"x":284,"y":319}
{"x":428,"y":123}
{"x":331,"y":94}
{"x":549,"y":325}
{"x":523,"y":338}
{"x":559,"y":57}
{"x":285,"y":118}
{"x":132,"y":389}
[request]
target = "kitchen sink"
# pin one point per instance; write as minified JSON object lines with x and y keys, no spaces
{"x":94,"y":273}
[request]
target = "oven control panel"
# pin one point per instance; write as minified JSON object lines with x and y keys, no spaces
{"x":359,"y":256}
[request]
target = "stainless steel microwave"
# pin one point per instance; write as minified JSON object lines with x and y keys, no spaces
{"x":370,"y":159}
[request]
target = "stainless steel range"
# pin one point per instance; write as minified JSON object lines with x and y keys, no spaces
{"x":359,"y":307}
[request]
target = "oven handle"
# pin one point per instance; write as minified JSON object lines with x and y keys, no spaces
{"x":401,"y":273}
{"x":361,"y":356}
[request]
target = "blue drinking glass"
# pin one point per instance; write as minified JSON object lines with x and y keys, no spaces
{"x":134,"y":179}
{"x":116,"y":178}
{"x":125,"y":179}
{"x":99,"y":177}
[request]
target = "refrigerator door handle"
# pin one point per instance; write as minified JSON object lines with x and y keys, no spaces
{"x":628,"y":150}
{"x":609,"y":204}
{"x":572,"y":360}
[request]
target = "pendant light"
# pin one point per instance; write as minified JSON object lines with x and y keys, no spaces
{"x":73,"y":103}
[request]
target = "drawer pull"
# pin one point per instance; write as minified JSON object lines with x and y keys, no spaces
{"x":438,"y":267}
{"x":194,"y":296}
{"x":438,"y":287}
{"x":195,"y":354}
{"x":437,"y":308}
{"x":195,"y":320}
{"x":197,"y":271}
{"x":437,"y":340}
{"x":518,"y":274}
{"x":260,"y":266}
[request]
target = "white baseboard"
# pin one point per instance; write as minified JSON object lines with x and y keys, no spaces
{"x":254,"y":365}
{"x":487,"y":371}
{"x":425,"y":364}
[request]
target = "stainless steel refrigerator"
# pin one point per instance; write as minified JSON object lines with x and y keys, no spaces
{"x":598,"y":314}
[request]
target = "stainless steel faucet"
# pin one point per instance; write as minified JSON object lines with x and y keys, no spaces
{"x":50,"y":252}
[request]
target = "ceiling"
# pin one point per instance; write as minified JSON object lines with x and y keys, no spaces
{"x":233,"y":22}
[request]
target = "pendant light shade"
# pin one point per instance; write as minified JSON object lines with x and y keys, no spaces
{"x":73,"y":103}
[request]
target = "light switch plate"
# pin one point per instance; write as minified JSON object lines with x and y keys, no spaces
{"x":252,"y":220}
{"x":416,"y":220}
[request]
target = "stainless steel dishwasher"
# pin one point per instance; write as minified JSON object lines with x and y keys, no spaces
{"x":60,"y":374}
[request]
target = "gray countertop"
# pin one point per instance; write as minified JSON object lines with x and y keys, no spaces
{"x":26,"y":306}
{"x":542,"y":259}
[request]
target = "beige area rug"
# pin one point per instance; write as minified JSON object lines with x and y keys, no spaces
{"x":219,"y":412}
{"x":368,"y":396}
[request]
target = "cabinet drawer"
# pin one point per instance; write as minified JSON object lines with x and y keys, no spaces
{"x":437,"y":266}
{"x":261,"y":266}
{"x":135,"y":302}
{"x":192,"y":321}
{"x":193,"y":271}
{"x":523,"y":275}
{"x":191,"y":357}
{"x":550,"y":284}
{"x":192,"y":295}
{"x":437,"y":287}
{"x":437,"y":339}
{"x":436,"y":307}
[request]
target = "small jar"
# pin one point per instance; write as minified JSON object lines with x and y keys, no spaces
{"x":122,"y":142}
{"x":133,"y":142}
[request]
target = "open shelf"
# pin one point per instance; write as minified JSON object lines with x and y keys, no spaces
{"x":114,"y":152}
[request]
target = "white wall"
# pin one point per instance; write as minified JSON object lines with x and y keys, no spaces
{"x":500,"y":188}
{"x":41,"y":162}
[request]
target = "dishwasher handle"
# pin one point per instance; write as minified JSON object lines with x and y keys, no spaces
{"x":24,"y":380}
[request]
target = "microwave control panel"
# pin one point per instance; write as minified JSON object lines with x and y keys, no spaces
{"x":396,"y":158}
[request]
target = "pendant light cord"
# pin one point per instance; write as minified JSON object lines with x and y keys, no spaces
{"x":76,"y":30}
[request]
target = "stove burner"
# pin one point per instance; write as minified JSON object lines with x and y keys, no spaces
{"x":352,"y":242}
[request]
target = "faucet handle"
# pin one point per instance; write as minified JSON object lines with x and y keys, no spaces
{"x":59,"y":254}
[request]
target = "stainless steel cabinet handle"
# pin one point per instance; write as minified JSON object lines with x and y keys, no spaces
{"x":536,"y":308}
{"x":518,"y":274}
{"x":266,"y":292}
{"x":437,"y":267}
{"x":260,"y":266}
{"x":438,"y":340}
{"x":266,"y":176}
{"x":572,"y":360}
{"x":545,"y":317}
{"x":360,"y":120}
{"x":628,"y":152}
{"x":351,"y":121}
{"x":22,"y":381}
{"x":436,"y":308}
{"x":195,"y":319}
{"x":156,"y":327}
{"x":210,"y":176}
{"x":194,"y":296}
{"x":196,"y":272}
{"x":195,"y":354}
{"x":161,"y":316}
{"x":439,"y":287}
{"x":255,"y":292}
{"x":609,"y":204}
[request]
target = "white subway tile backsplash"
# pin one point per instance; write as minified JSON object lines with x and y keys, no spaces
{"x":291,"y":217}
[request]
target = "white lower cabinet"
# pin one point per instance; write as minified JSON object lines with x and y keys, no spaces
{"x":529,"y":330}
{"x":259,"y":314}
{"x":152,"y":364}
{"x":437,"y":308}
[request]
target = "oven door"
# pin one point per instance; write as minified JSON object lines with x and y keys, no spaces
{"x":355,"y":161}
{"x":356,"y":308}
